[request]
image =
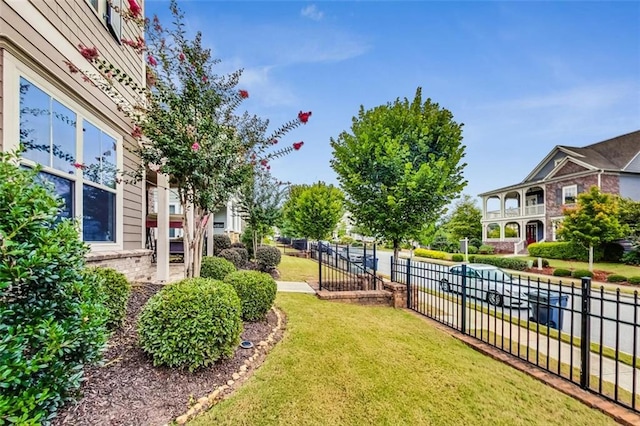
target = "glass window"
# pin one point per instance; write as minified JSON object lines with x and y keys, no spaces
{"x":48,"y":133}
{"x":94,"y":3}
{"x":99,"y":214}
{"x":569,"y":194}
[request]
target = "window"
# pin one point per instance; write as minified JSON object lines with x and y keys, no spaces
{"x":569,"y":194}
{"x":78,"y":159}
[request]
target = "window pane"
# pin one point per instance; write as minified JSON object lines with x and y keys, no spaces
{"x":64,"y":137}
{"x":35,"y":122}
{"x":99,"y":214}
{"x":63,"y":188}
{"x":108,"y":157}
{"x":99,"y":156}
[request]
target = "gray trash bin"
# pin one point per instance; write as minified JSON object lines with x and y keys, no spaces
{"x":547,"y":307}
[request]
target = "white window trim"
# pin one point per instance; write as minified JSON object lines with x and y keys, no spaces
{"x":13,"y":69}
{"x":565,"y":190}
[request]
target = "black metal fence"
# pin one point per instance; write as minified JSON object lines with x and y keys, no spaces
{"x":586,"y":335}
{"x":346,"y":268}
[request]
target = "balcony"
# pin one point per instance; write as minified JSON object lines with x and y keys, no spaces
{"x":534,"y":210}
{"x":515,"y":212}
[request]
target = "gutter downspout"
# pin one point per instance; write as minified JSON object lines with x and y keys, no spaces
{"x":600,"y":179}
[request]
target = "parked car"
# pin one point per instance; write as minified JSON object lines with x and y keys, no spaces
{"x":356,"y":255}
{"x":486,"y":282}
{"x":325,"y":247}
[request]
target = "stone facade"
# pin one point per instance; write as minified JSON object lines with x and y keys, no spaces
{"x":134,"y":264}
{"x":501,"y":246}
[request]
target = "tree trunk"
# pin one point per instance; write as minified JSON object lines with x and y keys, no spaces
{"x":591,"y":258}
{"x":396,"y":250}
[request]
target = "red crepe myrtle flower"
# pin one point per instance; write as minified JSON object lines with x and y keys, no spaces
{"x":137,"y":132}
{"x":304,"y":116}
{"x":298,"y":145}
{"x":138,"y":44}
{"x":152,"y":61}
{"x":274,"y":141}
{"x":135,"y":8}
{"x":79,"y":166}
{"x":205,"y":79}
{"x":181,"y":57}
{"x":263,"y":163}
{"x":72,"y":68}
{"x":244,"y":94}
{"x":89,"y":53}
{"x":195,"y":146}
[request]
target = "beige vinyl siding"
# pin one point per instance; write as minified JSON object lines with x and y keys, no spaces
{"x":35,"y":51}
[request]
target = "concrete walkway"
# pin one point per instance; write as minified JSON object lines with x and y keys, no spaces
{"x":295,"y":287}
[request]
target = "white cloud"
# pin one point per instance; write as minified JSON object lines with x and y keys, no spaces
{"x":312,"y":12}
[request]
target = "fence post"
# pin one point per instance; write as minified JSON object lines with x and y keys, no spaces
{"x":463,"y":317}
{"x":409,"y":291}
{"x":375,"y":268}
{"x":585,"y":334}
{"x":393,"y":272}
{"x":319,"y":266}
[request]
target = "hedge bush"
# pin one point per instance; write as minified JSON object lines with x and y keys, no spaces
{"x":216,"y":268}
{"x":472,"y":249}
{"x":191,"y":323}
{"x":268,"y":257}
{"x":579,"y":273}
{"x":431,"y":254}
{"x":117,"y":290}
{"x":616,"y":278}
{"x":52,"y":317}
{"x":238,"y":245}
{"x":243,"y":253}
{"x":563,"y":250}
{"x":634,"y":280}
{"x":457,"y":257}
{"x":501,"y":262}
{"x":632,"y":257}
{"x":560,"y":272}
{"x":220,"y":242}
{"x":486,"y":249}
{"x":232,"y":256}
{"x":257,"y":292}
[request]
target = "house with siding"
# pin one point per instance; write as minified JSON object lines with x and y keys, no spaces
{"x":76,"y":132}
{"x":530,"y":211}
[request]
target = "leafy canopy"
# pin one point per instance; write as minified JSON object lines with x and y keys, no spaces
{"x":313,"y":211}
{"x":400,"y":166}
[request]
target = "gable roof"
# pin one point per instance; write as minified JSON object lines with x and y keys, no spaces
{"x":611,"y":154}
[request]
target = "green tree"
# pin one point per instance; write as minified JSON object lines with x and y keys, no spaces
{"x":593,"y":221}
{"x":630,"y":216}
{"x":313,"y":211}
{"x":465,"y":220}
{"x":260,"y":202}
{"x":185,"y":120}
{"x":400,"y":166}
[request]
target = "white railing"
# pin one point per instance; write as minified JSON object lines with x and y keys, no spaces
{"x":519,"y":246}
{"x":512,"y":212}
{"x":533,"y":210}
{"x":495,"y":214}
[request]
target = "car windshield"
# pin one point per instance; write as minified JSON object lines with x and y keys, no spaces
{"x":495,"y":275}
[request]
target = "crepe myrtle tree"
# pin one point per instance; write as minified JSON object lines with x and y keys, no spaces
{"x":260,"y":202}
{"x":400,"y":166}
{"x":185,"y":120}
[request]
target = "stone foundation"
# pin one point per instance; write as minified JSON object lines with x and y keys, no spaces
{"x":505,"y":247}
{"x":394,"y":295}
{"x":134,"y":264}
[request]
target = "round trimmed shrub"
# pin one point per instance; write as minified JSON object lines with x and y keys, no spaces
{"x":560,"y":272}
{"x":486,"y":249}
{"x":616,"y":278}
{"x":634,"y":280}
{"x":191,"y":323}
{"x":243,"y":252}
{"x":472,"y":249}
{"x":220,"y":242}
{"x":232,"y":256}
{"x":268,"y":257}
{"x":117,"y":290}
{"x":256,"y":290}
{"x":579,"y":273}
{"x":216,"y":268}
{"x":238,"y":245}
{"x":457,"y":257}
{"x":52,"y":317}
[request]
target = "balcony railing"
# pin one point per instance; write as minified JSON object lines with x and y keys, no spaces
{"x":538,"y":209}
{"x":533,"y":210}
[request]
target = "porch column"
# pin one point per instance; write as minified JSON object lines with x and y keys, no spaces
{"x":210,"y":235}
{"x":523,"y":202}
{"x":162,"y":267}
{"x":228,"y":222}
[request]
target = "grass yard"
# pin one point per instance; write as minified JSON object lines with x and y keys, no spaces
{"x":616,"y":268}
{"x":297,"y":268}
{"x":341,"y":364}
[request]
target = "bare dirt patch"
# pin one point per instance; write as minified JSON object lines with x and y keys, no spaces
{"x":129,"y":390}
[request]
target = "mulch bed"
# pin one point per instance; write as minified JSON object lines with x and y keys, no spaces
{"x":600,"y":276}
{"x":129,"y":390}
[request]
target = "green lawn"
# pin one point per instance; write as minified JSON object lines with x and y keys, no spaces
{"x":616,"y":268}
{"x":341,"y":364}
{"x":297,"y":268}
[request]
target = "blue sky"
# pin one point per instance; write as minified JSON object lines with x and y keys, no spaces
{"x":522,"y":76}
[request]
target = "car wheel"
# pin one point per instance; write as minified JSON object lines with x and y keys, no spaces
{"x":494,"y":298}
{"x":444,"y":285}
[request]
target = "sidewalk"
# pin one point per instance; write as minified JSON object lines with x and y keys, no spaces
{"x":295,"y":287}
{"x":545,"y":345}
